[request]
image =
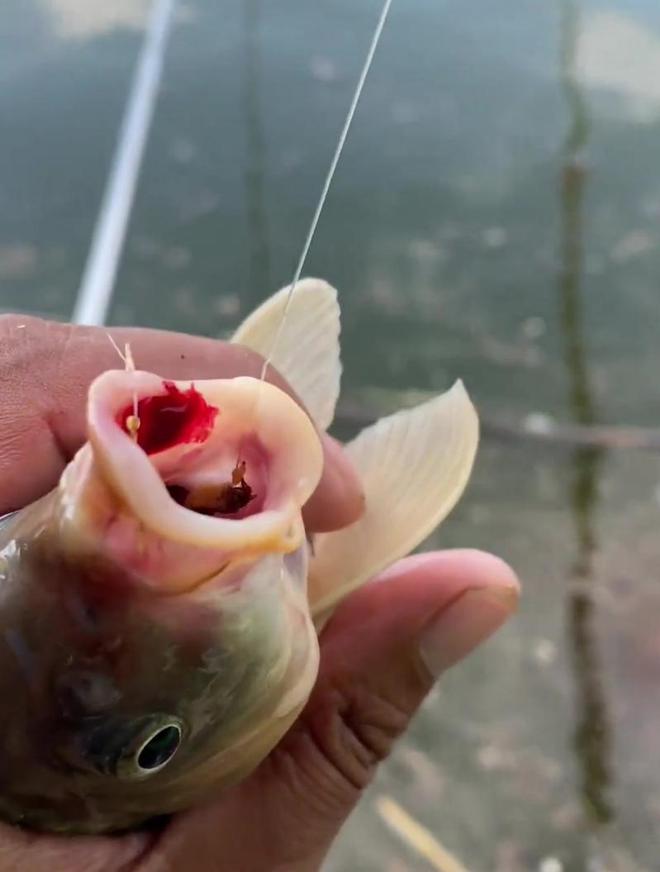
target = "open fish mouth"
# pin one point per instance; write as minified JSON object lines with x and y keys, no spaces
{"x":222,"y":466}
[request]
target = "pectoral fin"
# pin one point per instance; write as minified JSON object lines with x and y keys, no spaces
{"x":307,"y":352}
{"x":414,"y":466}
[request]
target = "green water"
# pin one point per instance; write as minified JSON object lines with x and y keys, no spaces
{"x":495,"y":217}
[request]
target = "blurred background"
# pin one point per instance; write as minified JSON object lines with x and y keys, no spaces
{"x":495,"y":218}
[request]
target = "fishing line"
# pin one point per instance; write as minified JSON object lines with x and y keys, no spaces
{"x":328,"y":179}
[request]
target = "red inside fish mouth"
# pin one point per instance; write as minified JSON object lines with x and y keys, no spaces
{"x":172,"y":418}
{"x":183,"y":417}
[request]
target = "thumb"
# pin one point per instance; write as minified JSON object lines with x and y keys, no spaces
{"x":381,"y":653}
{"x":388,"y":644}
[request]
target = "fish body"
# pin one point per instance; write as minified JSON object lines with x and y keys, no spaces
{"x":159,"y":609}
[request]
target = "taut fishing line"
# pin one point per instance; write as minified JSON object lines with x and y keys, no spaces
{"x":98,"y":280}
{"x":328,"y":180}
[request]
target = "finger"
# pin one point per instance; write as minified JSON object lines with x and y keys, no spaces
{"x":46,"y":369}
{"x":381,"y":653}
{"x":339,"y":499}
{"x":390,"y":641}
{"x":25,"y":851}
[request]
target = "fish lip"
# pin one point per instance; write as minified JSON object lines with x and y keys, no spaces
{"x":290,"y":441}
{"x":92,"y":523}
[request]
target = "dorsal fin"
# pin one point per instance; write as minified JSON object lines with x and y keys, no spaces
{"x":307,"y":353}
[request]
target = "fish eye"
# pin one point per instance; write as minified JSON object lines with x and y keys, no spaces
{"x":150,"y":748}
{"x":159,"y":748}
{"x":135,"y":748}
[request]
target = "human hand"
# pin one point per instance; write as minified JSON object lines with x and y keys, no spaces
{"x":381,"y":652}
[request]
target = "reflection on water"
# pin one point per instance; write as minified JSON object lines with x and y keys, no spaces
{"x":592,"y":737}
{"x":80,"y":19}
{"x":620,"y":55}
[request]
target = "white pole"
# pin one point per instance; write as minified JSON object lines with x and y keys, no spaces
{"x":100,"y":272}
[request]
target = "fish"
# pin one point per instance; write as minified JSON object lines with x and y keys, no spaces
{"x":160,"y":609}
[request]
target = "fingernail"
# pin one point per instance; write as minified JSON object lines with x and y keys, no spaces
{"x":463,"y":625}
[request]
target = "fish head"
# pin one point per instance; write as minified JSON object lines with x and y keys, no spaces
{"x":155,"y":633}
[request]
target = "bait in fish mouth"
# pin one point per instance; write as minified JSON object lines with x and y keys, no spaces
{"x":227,"y":498}
{"x":160,"y":608}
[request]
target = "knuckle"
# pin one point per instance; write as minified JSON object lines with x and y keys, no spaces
{"x":370,"y":725}
{"x":353,"y":732}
